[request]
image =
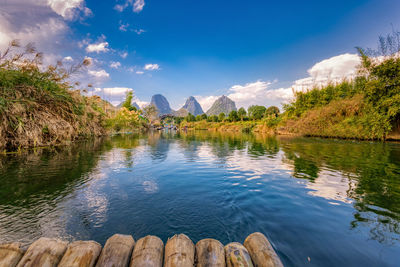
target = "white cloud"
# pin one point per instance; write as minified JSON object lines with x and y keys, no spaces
{"x":117,"y":94}
{"x":249,"y":94}
{"x":137,"y":5}
{"x":139,"y":31}
{"x":330,"y":70}
{"x":115,"y":65}
{"x":31,"y":31}
{"x":139,"y":72}
{"x":123,"y":54}
{"x":69,"y":9}
{"x":206,"y":101}
{"x":99,"y":73}
{"x":151,"y":67}
{"x":68,"y":59}
{"x":99,"y":47}
{"x":117,"y":91}
{"x":123,"y":27}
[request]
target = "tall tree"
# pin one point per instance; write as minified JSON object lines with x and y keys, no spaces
{"x":242,"y":113}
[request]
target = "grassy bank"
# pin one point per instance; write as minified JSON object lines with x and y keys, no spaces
{"x":38,"y":107}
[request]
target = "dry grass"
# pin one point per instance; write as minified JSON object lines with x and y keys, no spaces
{"x":38,"y":106}
{"x":340,"y":118}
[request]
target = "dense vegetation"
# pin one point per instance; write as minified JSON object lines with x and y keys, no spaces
{"x":367,"y":107}
{"x":38,"y":106}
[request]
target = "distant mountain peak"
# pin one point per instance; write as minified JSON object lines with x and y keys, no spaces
{"x":222,"y":105}
{"x":161,"y":103}
{"x":192,"y":106}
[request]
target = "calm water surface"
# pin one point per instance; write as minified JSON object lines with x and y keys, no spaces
{"x":320,"y":202}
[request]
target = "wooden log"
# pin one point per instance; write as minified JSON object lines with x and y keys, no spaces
{"x":117,"y":251}
{"x":44,"y":252}
{"x":148,"y":252}
{"x":179,"y":252}
{"x":210,"y":253}
{"x":261,"y":251}
{"x":10,"y":254}
{"x":236,"y":255}
{"x":81,"y":254}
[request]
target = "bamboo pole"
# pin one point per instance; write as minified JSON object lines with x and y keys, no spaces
{"x":237,"y":255}
{"x":44,"y":252}
{"x":10,"y":254}
{"x":210,"y":253}
{"x":81,"y":254}
{"x":261,"y":251}
{"x":179,"y":252}
{"x":148,"y":252}
{"x":117,"y":251}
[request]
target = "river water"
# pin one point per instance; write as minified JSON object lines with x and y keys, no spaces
{"x":319,"y":202}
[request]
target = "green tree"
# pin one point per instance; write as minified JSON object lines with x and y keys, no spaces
{"x":221,"y":116}
{"x":256,"y":112}
{"x":212,"y":118}
{"x":272,"y":110}
{"x":241,"y":113}
{"x":198,"y":118}
{"x":128,"y":101}
{"x":190,"y":117}
{"x":150,"y":112}
{"x":204,"y":116}
{"x":233,"y":116}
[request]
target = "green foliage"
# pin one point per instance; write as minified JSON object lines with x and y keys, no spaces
{"x":318,"y":97}
{"x":221,"y":116}
{"x":233,"y":116}
{"x":256,"y":112}
{"x":212,"y":118}
{"x":242,"y":113}
{"x":128,"y":100}
{"x":378,"y":109}
{"x":190,"y":118}
{"x":272,"y":110}
{"x":125,"y":119}
{"x":204,"y":116}
{"x":150,"y":113}
{"x":38,"y":105}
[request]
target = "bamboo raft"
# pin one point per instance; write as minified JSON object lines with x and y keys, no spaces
{"x":149,"y":251}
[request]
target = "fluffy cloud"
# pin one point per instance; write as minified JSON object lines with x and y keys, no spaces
{"x":123,"y":27}
{"x":115,"y":65}
{"x":99,"y":47}
{"x":139,"y":31}
{"x":68,"y":59}
{"x":206,"y":101}
{"x":117,"y":91}
{"x":137,"y":5}
{"x":151,"y":67}
{"x":123,"y":54}
{"x":99,"y":74}
{"x":38,"y":31}
{"x":139,"y":72}
{"x":116,"y":95}
{"x":69,"y":9}
{"x":330,"y":70}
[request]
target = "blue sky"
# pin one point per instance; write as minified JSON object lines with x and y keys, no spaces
{"x":253,"y":51}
